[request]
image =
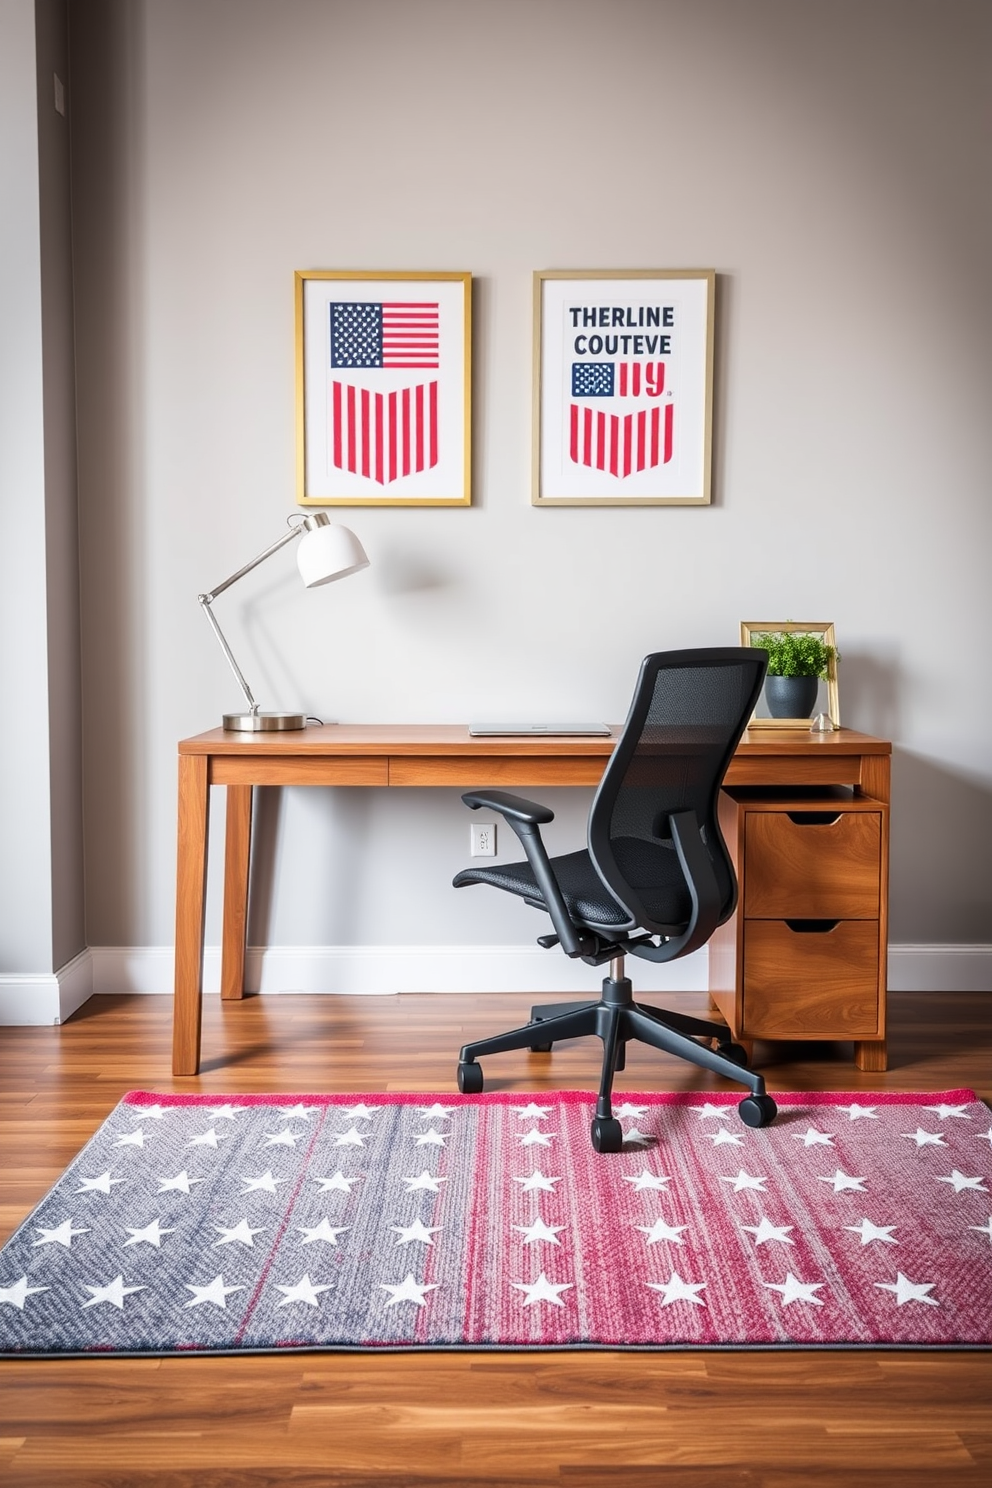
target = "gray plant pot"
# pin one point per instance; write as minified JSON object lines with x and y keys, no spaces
{"x":791,"y":697}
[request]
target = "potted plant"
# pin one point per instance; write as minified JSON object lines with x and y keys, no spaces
{"x":797,"y":662}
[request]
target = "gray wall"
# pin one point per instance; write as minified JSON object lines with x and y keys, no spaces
{"x":41,"y":866}
{"x":830,"y":161}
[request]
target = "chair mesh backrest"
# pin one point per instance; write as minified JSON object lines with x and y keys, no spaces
{"x":686,"y":719}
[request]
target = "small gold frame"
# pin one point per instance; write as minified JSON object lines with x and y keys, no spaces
{"x":823,"y":629}
{"x":454,"y":290}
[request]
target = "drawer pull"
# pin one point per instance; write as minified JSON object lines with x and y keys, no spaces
{"x":812,"y":927}
{"x":814,"y":818}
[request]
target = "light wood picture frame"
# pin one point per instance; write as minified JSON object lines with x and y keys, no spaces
{"x":623,"y":387}
{"x":383,"y":388}
{"x":751,"y":629}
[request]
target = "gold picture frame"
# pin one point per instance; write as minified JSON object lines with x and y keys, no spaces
{"x":383,"y":388}
{"x":822,"y":628}
{"x":623,"y":387}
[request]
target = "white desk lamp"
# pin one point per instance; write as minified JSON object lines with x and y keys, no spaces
{"x":327,"y":552}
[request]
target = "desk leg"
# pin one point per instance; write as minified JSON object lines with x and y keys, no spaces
{"x":871,"y":1055}
{"x":237,"y":853}
{"x":191,"y":885}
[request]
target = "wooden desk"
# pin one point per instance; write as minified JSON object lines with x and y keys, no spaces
{"x":421,"y":755}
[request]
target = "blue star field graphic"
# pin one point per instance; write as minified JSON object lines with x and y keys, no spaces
{"x":592,"y":379}
{"x":356,"y":335}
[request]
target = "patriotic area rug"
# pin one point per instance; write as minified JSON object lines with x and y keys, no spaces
{"x":249,"y":1223}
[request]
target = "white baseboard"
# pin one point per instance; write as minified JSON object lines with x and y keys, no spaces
{"x":52,"y":997}
{"x":46,"y":997}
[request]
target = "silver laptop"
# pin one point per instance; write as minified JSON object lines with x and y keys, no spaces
{"x":559,"y":730}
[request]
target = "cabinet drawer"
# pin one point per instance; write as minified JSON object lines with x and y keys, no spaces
{"x":800,"y":866}
{"x":799,"y":984}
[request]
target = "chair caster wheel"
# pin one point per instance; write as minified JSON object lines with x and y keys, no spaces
{"x":757,"y":1110}
{"x":734,"y":1053}
{"x":607,"y":1134}
{"x":470,"y":1078}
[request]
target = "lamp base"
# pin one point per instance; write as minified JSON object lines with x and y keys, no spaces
{"x":263,"y":723}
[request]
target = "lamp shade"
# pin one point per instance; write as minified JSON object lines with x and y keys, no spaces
{"x":328,"y":552}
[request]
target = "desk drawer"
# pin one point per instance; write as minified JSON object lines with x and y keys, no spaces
{"x":811,"y":984}
{"x":802,"y":866}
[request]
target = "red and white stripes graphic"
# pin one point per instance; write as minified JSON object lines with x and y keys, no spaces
{"x":384,"y":436}
{"x":638,"y":377}
{"x":619,"y":444}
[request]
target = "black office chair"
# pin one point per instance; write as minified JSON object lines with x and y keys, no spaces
{"x":655,"y":881}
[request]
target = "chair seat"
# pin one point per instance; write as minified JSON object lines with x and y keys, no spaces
{"x":652,"y":868}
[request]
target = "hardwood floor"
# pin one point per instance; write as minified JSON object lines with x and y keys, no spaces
{"x":585,"y":1420}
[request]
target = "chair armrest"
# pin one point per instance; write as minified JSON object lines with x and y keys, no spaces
{"x":513,"y":808}
{"x":526,"y":818}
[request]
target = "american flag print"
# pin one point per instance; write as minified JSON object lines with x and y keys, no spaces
{"x":621,"y":443}
{"x":250,"y":1222}
{"x":384,"y":435}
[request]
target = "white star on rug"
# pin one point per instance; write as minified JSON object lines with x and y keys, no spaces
{"x":209,"y":1138}
{"x":431,"y":1138}
{"x":102,"y":1184}
{"x":843,"y":1181}
{"x":644,"y":1179}
{"x":17,"y":1295}
{"x":426,"y":1181}
{"x":909,"y":1291}
{"x":960,"y":1182}
{"x":351,"y":1138}
{"x":984,"y":1136}
{"x":628,"y":1112}
{"x":924,"y":1138}
{"x":360,"y":1112}
{"x":794,"y":1290}
{"x":215,"y":1293}
{"x":242,"y":1234}
{"x":182,"y":1183}
{"x":945,"y":1112}
{"x":766,"y":1231}
{"x":814,"y":1138}
{"x":639,"y":1138}
{"x":304,"y":1291}
{"x":409,"y":1290}
{"x":661,"y":1231}
{"x":543,"y":1290}
{"x":533,"y":1112}
{"x":114,"y":1293}
{"x":265,"y":1183}
{"x":131,"y":1139}
{"x":677,"y":1290}
{"x":538,"y":1230}
{"x":724,"y":1138}
{"x":537,"y":1180}
{"x":436,"y":1112}
{"x":152,"y":1113}
{"x":536,"y":1138}
{"x":746,"y":1180}
{"x":985,"y":1229}
{"x":416,"y":1231}
{"x":224,"y":1113}
{"x":323,"y":1231}
{"x":285,"y":1138}
{"x":722,"y":1113}
{"x":870,"y":1232}
{"x":298,"y":1112}
{"x":860,"y":1113}
{"x":150,"y":1235}
{"x":63,"y":1234}
{"x":339,"y":1181}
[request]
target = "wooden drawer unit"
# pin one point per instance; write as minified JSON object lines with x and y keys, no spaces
{"x":804,"y":955}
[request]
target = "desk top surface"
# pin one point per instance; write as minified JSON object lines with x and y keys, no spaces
{"x":440,"y":739}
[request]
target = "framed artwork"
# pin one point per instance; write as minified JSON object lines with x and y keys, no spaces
{"x":383,"y":388}
{"x":824,"y":696}
{"x":623,"y":387}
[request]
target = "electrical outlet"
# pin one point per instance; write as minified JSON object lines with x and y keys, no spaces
{"x":482,"y":841}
